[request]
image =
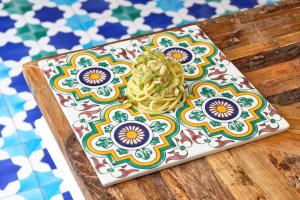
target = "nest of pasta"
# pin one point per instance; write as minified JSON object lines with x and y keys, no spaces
{"x":156,"y":85}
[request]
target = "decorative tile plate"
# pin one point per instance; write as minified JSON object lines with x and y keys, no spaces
{"x":224,"y":110}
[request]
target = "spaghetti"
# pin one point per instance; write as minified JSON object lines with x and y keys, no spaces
{"x":156,"y":85}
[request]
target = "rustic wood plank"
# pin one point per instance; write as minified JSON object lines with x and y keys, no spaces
{"x":263,"y":43}
{"x":197,"y":181}
{"x":277,"y":78}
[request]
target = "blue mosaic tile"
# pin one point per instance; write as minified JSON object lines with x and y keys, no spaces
{"x":168,"y":5}
{"x":244,"y":3}
{"x":1,"y":128}
{"x":32,"y":146}
{"x":64,"y":2}
{"x":67,"y":196}
{"x":28,"y":184}
{"x":19,"y":83}
{"x":33,"y":115}
{"x":64,"y":40}
{"x":139,"y":1}
{"x":47,"y":14}
{"x":4,"y":71}
{"x":13,"y":51}
{"x":35,"y":193}
{"x":28,"y":135}
{"x":47,"y":159}
{"x":8,"y":172}
{"x":96,"y":6}
{"x":158,"y":20}
{"x":51,"y":189}
{"x":6,"y":23}
{"x":46,"y":178}
{"x":119,"y":30}
{"x":202,"y":11}
{"x":93,"y":43}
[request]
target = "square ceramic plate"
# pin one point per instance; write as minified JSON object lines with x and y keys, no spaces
{"x":224,"y":110}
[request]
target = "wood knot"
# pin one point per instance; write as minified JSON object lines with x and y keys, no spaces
{"x":269,"y":9}
{"x":233,"y":41}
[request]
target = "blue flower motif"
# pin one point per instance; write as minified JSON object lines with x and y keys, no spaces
{"x":64,"y":40}
{"x":47,"y":159}
{"x":6,"y":23}
{"x":97,"y":6}
{"x":19,"y":83}
{"x":47,"y":14}
{"x":13,"y":51}
{"x":139,"y":1}
{"x":244,"y":3}
{"x":112,"y":30}
{"x":33,"y":115}
{"x":158,"y":20}
{"x":8,"y":172}
{"x":170,"y":5}
{"x":202,"y":11}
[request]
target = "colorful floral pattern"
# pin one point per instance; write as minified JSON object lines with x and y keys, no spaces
{"x":196,"y":54}
{"x":94,"y":76}
{"x":131,"y":135}
{"x":179,"y":54}
{"x":222,"y":109}
{"x":125,"y":140}
{"x":100,"y":78}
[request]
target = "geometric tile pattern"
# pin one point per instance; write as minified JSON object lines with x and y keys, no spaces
{"x":28,"y":32}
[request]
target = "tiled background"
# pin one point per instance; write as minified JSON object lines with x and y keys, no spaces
{"x":30,"y":29}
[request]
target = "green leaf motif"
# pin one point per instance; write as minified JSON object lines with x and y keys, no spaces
{"x":70,"y":82}
{"x":199,"y":50}
{"x":189,"y":69}
{"x":198,"y":102}
{"x":197,"y":115}
{"x":197,"y":60}
{"x":166,"y":42}
{"x":143,"y":153}
{"x":245,"y":114}
{"x":104,"y":142}
{"x":103,"y":64}
{"x":207,"y":92}
{"x":118,"y":69}
{"x":215,"y":123}
{"x":85,"y":62}
{"x":236,"y":126}
{"x":105,"y":91}
{"x":140,"y":119}
{"x":108,"y":128}
{"x":227,"y":94}
{"x":183,"y":44}
{"x":120,"y":116}
{"x":74,"y":71}
{"x":85,"y":89}
{"x":154,"y":141}
{"x":245,"y":102}
{"x":122,"y":151}
{"x":116,"y":80}
{"x":157,"y":126}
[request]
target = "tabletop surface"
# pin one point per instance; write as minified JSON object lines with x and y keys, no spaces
{"x":264,"y":45}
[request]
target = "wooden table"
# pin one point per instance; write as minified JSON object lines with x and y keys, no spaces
{"x":264,"y":43}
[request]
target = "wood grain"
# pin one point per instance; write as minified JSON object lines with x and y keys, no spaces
{"x":264,"y":43}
